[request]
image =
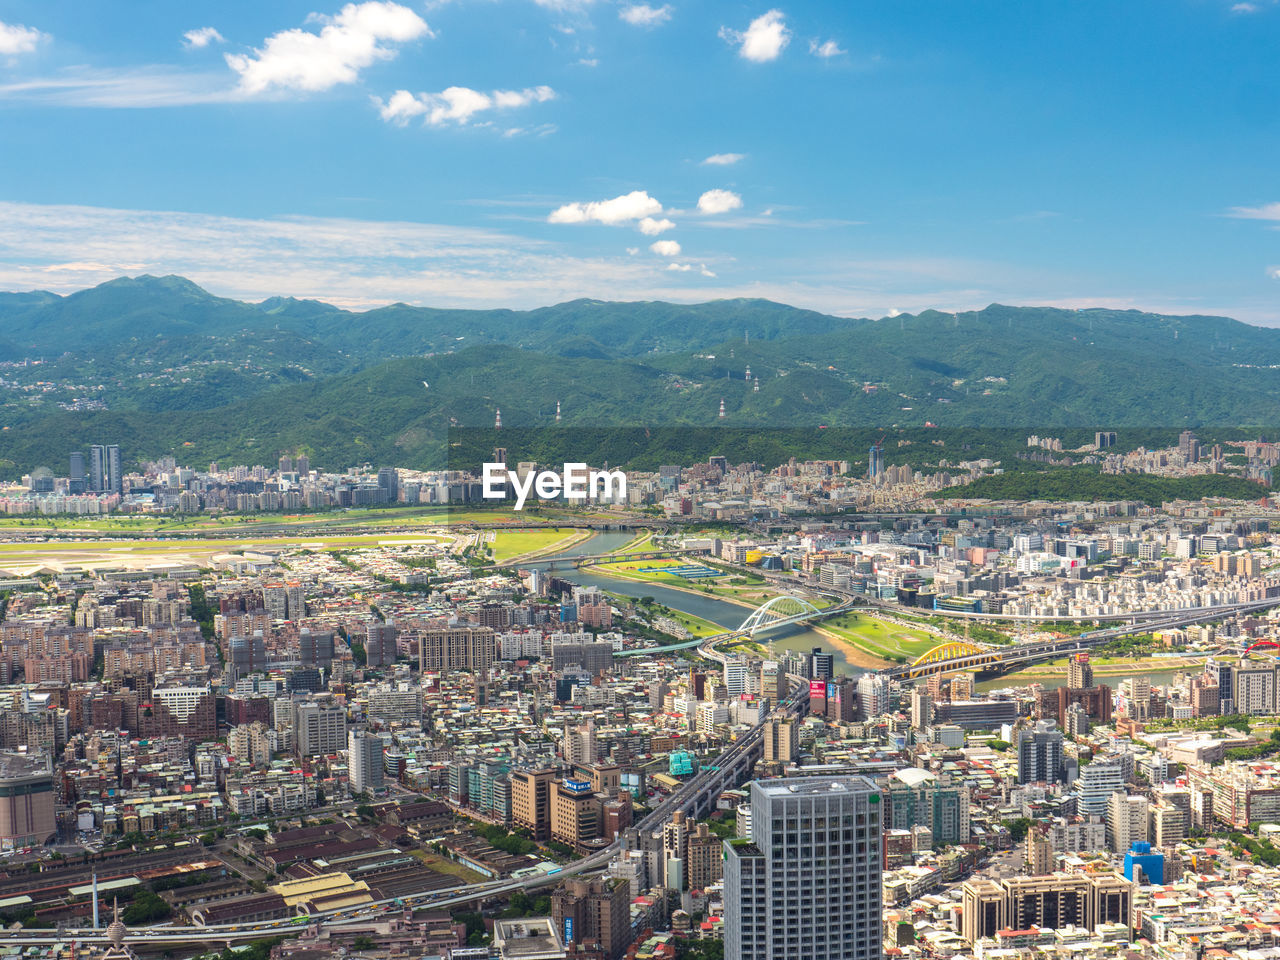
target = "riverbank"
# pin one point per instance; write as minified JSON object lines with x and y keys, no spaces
{"x":1127,"y":667}
{"x":568,"y":542}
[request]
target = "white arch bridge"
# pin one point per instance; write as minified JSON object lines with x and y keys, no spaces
{"x":779,"y":612}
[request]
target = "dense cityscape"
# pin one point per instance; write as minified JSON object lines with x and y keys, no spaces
{"x":736,"y":709}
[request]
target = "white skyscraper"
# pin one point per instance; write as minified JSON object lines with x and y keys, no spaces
{"x":364,"y":761}
{"x":806,"y":884}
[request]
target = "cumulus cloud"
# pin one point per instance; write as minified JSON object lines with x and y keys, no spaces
{"x":719,"y":201}
{"x":825,"y":50}
{"x":1273,"y":273}
{"x":680,"y":267}
{"x":16,"y":39}
{"x":651,"y":227}
{"x":201,"y":38}
{"x":723,"y":159}
{"x":299,"y":60}
{"x":456,"y":104}
{"x":643,"y":15}
{"x":763,"y":40}
{"x":665,"y":248}
{"x":636,"y":205}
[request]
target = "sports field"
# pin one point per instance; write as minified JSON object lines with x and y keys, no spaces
{"x":880,"y":638}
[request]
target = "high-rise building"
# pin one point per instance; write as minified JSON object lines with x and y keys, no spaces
{"x":78,"y":476}
{"x":364,"y":761}
{"x":457,"y":648}
{"x":807,"y":883}
{"x":921,"y":708}
{"x":26,"y":799}
{"x":98,"y":468}
{"x":531,"y":801}
{"x":918,"y":798}
{"x":1039,"y":854}
{"x":875,"y":461}
{"x":389,"y":480}
{"x":1040,"y":753}
{"x":594,"y":913}
{"x":1079,"y":671}
{"x":781,"y":740}
{"x":315,"y":648}
{"x":1126,"y":820}
{"x":1098,"y":780}
{"x":873,"y":696}
{"x":822,"y":666}
{"x":319,"y":727}
{"x":380,"y":644}
{"x":1054,"y":901}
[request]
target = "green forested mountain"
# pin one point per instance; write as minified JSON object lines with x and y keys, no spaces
{"x":161,"y":366}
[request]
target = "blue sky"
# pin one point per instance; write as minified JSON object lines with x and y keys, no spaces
{"x":874,"y":156}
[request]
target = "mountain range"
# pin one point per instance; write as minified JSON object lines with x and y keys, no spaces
{"x":161,"y":366}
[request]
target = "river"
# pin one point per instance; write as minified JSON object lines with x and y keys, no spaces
{"x":727,"y":615}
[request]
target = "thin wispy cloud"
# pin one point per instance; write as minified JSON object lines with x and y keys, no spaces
{"x":723,"y":159}
{"x":1267,"y":211}
{"x":122,"y":88}
{"x":826,"y":49}
{"x":763,"y":40}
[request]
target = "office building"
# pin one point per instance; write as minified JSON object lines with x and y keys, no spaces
{"x":781,"y":740}
{"x":1053,"y":901}
{"x":873,"y":696}
{"x":319,"y":727}
{"x":594,"y":914}
{"x":575,"y":812}
{"x":531,"y":801}
{"x":1126,"y":820}
{"x":364,"y":761}
{"x":1040,"y":753}
{"x":807,"y":883}
{"x":380,"y":644}
{"x":1098,"y":780}
{"x":822,"y":666}
{"x":26,"y":799}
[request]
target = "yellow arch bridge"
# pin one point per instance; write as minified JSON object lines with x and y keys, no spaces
{"x":949,"y":656}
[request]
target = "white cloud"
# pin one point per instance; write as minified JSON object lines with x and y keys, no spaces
{"x":825,"y":50}
{"x":1245,"y":8}
{"x":702,"y":268}
{"x":763,"y":40}
{"x":651,"y":227}
{"x":665,"y":248}
{"x":680,"y":267}
{"x":635,"y":205}
{"x":723,"y":159}
{"x":133,"y":88}
{"x":198,"y":39}
{"x":564,"y":6}
{"x":719,"y":201}
{"x":354,"y":39}
{"x":588,"y":62}
{"x":1273,"y":273}
{"x":643,"y":15}
{"x":456,"y":104}
{"x":632,"y":251}
{"x":16,"y":39}
{"x":1268,"y":211}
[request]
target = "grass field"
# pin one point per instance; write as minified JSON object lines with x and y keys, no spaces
{"x":516,"y":543}
{"x":21,"y":558}
{"x":327,"y":520}
{"x":442,"y":865}
{"x":879,"y":638}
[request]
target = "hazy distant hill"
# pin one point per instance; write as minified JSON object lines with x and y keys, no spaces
{"x":184,"y":372}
